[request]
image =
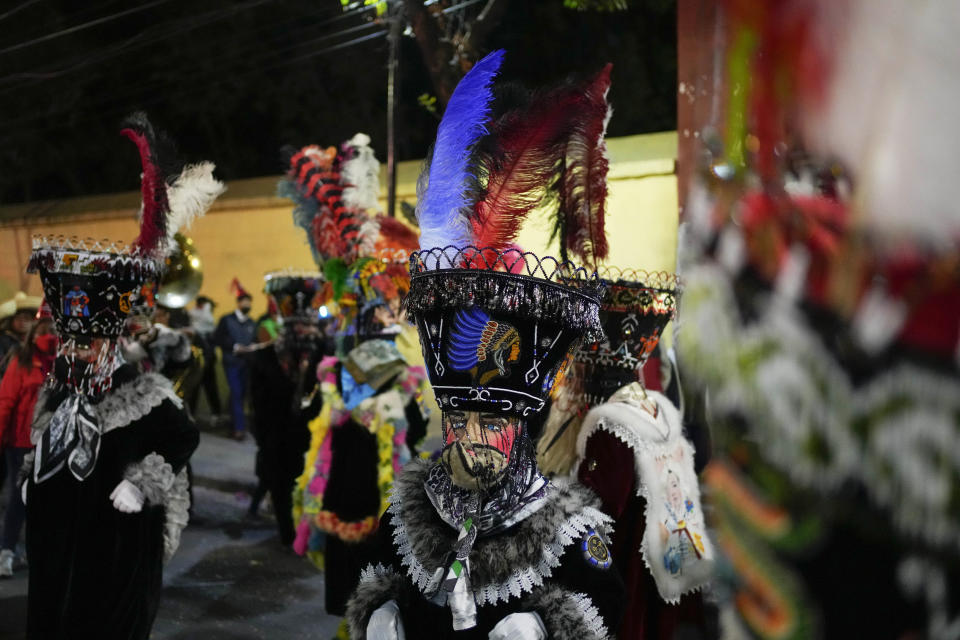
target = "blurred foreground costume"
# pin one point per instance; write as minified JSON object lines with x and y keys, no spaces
{"x":821,"y":315}
{"x":625,"y":442}
{"x":479,"y":544}
{"x":106,"y":491}
{"x":371,"y":417}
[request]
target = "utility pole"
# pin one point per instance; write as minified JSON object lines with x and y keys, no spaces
{"x":395,"y":17}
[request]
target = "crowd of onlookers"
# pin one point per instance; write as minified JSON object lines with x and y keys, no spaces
{"x":182,"y":344}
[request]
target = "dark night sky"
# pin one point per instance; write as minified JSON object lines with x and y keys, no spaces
{"x":234,"y":80}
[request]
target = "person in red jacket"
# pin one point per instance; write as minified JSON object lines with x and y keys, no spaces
{"x":21,"y":382}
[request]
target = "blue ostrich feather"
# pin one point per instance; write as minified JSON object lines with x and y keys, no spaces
{"x":444,"y":198}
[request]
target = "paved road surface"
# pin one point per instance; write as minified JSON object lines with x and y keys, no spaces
{"x":231,"y":579}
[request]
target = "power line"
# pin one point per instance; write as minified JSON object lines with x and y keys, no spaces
{"x":220,"y":64}
{"x":137,"y":41}
{"x":81,"y":27}
{"x":175,"y":29}
{"x":18,"y":8}
{"x":99,"y":116}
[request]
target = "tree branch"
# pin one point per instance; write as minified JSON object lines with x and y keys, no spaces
{"x":435,"y":52}
{"x":483,"y":26}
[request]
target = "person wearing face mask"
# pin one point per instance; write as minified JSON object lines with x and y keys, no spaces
{"x":479,"y":544}
{"x":234,"y":334}
{"x":21,"y":383}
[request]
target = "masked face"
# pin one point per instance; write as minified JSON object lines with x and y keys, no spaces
{"x":244,"y":305}
{"x":478,"y":447}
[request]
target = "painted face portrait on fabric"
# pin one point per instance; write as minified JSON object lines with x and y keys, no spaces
{"x":478,"y":447}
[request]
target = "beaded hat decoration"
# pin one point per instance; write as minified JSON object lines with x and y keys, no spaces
{"x":295,"y":294}
{"x":634,"y":310}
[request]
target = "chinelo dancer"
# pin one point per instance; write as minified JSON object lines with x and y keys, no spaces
{"x":371,"y":414}
{"x":283,"y":388}
{"x":624,"y":441}
{"x":479,"y":544}
{"x":106,"y":493}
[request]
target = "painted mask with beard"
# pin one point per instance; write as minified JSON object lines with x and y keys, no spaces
{"x":478,"y":447}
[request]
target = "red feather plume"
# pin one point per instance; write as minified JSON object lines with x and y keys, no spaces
{"x":526,"y":158}
{"x":583,"y":188}
{"x":153,"y":186}
{"x":396,"y":235}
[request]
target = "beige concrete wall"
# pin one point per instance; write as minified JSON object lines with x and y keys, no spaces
{"x":249,"y":231}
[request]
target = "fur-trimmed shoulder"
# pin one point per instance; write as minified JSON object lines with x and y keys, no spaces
{"x":378,"y":584}
{"x":502,"y":566}
{"x":568,"y":615}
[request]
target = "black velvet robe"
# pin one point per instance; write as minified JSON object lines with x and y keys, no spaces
{"x":96,"y":572}
{"x":280,"y":427}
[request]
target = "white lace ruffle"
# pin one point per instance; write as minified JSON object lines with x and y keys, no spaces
{"x":177,"y":510}
{"x":652,"y":439}
{"x":155,"y":478}
{"x":894,"y":435}
{"x":524,"y":579}
{"x":374,"y":571}
{"x":582,"y":604}
{"x":134,"y":400}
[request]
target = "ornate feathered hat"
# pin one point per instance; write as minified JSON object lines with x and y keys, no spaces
{"x":93,"y":285}
{"x":497,"y":324}
{"x":635,"y":305}
{"x":361,"y":253}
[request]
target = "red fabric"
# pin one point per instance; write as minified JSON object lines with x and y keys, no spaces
{"x":652,"y":380}
{"x":18,"y":394}
{"x":613,"y":479}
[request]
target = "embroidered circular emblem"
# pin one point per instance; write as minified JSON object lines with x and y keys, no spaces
{"x":595,"y":550}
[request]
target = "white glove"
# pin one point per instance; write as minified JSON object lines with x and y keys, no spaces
{"x":519,"y":626}
{"x":23,"y":492}
{"x":127,"y":497}
{"x":385,"y":623}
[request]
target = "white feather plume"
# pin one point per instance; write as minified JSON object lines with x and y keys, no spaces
{"x":369,"y":232}
{"x":362,"y":173}
{"x":191,"y":194}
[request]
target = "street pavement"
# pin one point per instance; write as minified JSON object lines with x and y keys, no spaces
{"x":231,"y":579}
